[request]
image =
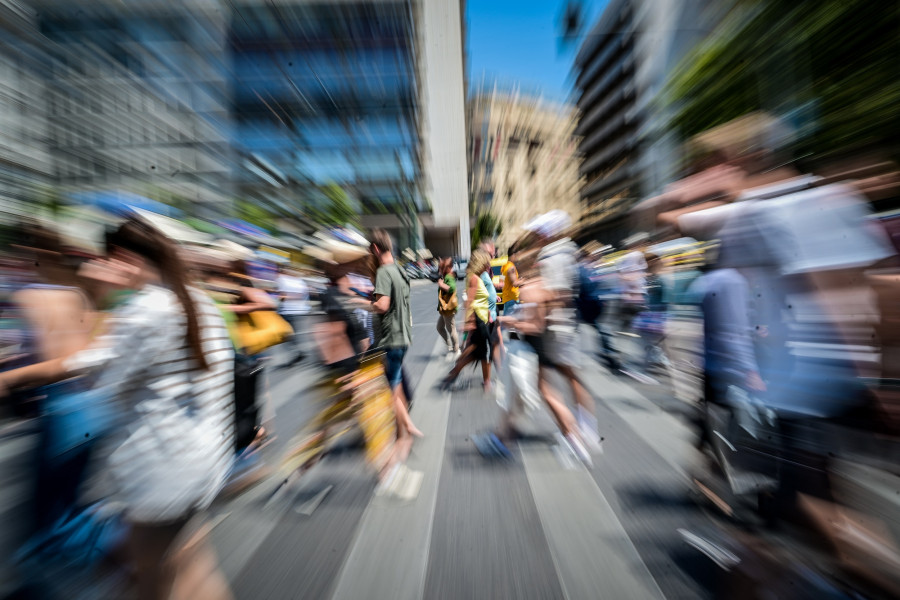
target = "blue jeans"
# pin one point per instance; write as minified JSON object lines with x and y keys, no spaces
{"x":394,"y":366}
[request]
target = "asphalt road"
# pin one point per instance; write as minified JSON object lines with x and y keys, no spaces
{"x":537,"y":526}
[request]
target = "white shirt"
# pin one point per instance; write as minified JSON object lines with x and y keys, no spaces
{"x":557,"y":264}
{"x":296,"y":295}
{"x":633,"y":272}
{"x":173,"y":449}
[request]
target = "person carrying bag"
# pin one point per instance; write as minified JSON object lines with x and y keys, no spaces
{"x":254,"y":326}
{"x":448,"y":304}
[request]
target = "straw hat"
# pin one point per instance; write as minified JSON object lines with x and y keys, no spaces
{"x":338,"y":247}
{"x":232,"y":250}
{"x":344,"y":253}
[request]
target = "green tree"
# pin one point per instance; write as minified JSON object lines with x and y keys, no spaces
{"x":829,"y":66}
{"x":255,"y":214}
{"x":487,"y":226}
{"x":337,"y":209}
{"x":49,"y":199}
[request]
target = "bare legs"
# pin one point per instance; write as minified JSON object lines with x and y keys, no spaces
{"x":406,"y":429}
{"x":468,"y":357}
{"x":564,"y":417}
{"x":170,"y":568}
{"x":580,"y":393}
{"x":486,"y":374}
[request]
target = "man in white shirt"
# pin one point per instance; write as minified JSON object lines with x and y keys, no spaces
{"x":294,"y":295}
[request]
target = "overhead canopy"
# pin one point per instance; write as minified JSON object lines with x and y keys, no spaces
{"x":173,"y":229}
{"x":122,"y":203}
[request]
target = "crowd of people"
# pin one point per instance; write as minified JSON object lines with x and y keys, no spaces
{"x":796,"y":412}
{"x":144,"y":370}
{"x":144,"y":367}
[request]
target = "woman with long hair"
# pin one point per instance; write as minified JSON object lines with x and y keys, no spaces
{"x":447,"y":300}
{"x":163,"y":362}
{"x":478,"y":321}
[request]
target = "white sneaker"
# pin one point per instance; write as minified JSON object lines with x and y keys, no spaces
{"x":386,"y":485}
{"x":565,"y":454}
{"x":579,"y":449}
{"x":587,"y":429}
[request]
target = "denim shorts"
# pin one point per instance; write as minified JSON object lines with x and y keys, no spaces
{"x":393,"y":368}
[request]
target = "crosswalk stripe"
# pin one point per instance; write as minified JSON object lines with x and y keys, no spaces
{"x":665,"y":434}
{"x":389,"y":556}
{"x":592,"y":553}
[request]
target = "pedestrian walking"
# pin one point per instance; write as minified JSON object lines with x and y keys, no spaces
{"x":255,"y":327}
{"x":293,"y":294}
{"x":394,"y":331}
{"x":652,"y":325}
{"x":496,"y":336}
{"x":59,"y":316}
{"x":354,"y":390}
{"x":527,"y":350}
{"x":557,"y":265}
{"x":164,"y":364}
{"x":448,"y":304}
{"x":477,"y":323}
{"x":510,"y":295}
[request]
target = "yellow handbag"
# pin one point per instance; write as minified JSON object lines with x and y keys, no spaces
{"x":261,"y":329}
{"x":447,"y":303}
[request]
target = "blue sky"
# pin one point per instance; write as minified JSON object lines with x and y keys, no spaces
{"x":518,"y":41}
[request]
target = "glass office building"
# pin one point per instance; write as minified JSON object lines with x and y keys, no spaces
{"x":136,"y":98}
{"x":326,"y":93}
{"x":274,"y":103}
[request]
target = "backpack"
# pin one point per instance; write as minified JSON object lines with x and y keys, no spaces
{"x":587,"y":295}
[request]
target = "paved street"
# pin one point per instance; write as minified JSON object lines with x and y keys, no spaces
{"x":539,"y":526}
{"x":536,"y":527}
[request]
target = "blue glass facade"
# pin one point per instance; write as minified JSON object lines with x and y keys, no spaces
{"x":327,"y":93}
{"x":137,"y":98}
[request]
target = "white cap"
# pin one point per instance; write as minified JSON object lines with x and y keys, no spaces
{"x":549,"y":224}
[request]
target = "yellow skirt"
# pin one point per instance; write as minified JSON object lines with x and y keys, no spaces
{"x":362,"y":399}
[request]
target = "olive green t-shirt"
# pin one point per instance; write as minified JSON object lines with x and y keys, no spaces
{"x":394,"y":329}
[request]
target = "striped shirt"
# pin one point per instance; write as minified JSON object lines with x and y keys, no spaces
{"x":173,"y":451}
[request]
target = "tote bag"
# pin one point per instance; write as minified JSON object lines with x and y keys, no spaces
{"x":259,"y":330}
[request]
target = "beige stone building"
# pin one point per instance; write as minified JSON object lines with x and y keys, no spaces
{"x":523,"y":160}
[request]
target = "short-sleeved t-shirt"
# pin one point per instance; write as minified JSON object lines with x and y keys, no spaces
{"x":394,"y":329}
{"x":450,"y":280}
{"x":338,"y":308}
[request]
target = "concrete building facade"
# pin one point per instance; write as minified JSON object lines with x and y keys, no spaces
{"x":136,"y":98}
{"x":443,"y":97}
{"x":524,"y":160}
{"x":367,"y":95}
{"x":271,"y":103}
{"x":620,"y":71}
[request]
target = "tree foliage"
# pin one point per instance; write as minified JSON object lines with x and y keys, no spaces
{"x":336,"y":210}
{"x":831,"y":67}
{"x":255,"y":214}
{"x":487,"y":226}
